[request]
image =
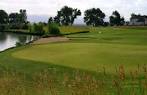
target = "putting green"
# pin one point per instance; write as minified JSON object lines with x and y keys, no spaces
{"x":87,"y":56}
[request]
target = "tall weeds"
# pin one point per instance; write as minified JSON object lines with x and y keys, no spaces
{"x":50,"y":82}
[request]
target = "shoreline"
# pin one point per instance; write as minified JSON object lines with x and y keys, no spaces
{"x":21,"y":32}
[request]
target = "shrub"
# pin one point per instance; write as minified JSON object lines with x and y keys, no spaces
{"x":37,"y":28}
{"x":2,"y":28}
{"x":25,"y":26}
{"x":18,"y":44}
{"x":53,"y":29}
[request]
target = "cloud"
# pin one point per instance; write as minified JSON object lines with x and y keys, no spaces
{"x":50,"y":7}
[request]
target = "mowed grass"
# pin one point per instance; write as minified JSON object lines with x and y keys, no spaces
{"x":107,"y":48}
{"x":114,"y":35}
{"x":87,"y":56}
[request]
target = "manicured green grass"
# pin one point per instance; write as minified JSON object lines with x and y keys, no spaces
{"x":114,"y":35}
{"x":87,"y":56}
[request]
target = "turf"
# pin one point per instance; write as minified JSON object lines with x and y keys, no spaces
{"x":87,"y":56}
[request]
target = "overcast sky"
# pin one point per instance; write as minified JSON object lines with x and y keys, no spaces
{"x":50,"y":7}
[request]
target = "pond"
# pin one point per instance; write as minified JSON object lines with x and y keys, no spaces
{"x":9,"y":40}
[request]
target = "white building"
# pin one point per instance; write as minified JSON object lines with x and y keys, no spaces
{"x":138,"y":20}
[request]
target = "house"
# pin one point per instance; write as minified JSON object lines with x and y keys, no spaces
{"x":138,"y":20}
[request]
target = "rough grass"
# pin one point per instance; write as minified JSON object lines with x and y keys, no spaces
{"x":70,"y":29}
{"x":73,"y":29}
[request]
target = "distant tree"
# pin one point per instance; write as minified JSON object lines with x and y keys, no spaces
{"x":106,"y":24}
{"x":133,"y":15}
{"x":13,"y":18}
{"x":3,"y":17}
{"x":67,"y":15}
{"x":20,"y":18}
{"x":3,"y":20}
{"x":116,"y":19}
{"x":23,"y":16}
{"x":57,"y":20}
{"x":50,"y":20}
{"x":94,"y":17}
{"x":76,"y":13}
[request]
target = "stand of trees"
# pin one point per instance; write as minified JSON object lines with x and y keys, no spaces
{"x":13,"y":20}
{"x":3,"y":19}
{"x":65,"y":16}
{"x":18,"y":20}
{"x":94,"y":17}
{"x":116,"y":19}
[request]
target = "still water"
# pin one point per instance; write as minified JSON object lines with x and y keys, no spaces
{"x":9,"y":40}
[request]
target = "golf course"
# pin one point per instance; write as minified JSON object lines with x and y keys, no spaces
{"x":104,"y":61}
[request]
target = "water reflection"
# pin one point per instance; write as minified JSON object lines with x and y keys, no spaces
{"x":8,"y":40}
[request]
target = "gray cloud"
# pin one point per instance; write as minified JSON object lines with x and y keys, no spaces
{"x":50,"y":7}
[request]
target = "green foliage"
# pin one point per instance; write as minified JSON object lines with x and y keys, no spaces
{"x":66,"y":16}
{"x":116,"y":19}
{"x":18,"y":44}
{"x":3,"y":17}
{"x":94,"y":17}
{"x":50,"y":20}
{"x":53,"y":29}
{"x":37,"y":28}
{"x":2,"y":28}
{"x":3,"y":20}
{"x":18,"y":20}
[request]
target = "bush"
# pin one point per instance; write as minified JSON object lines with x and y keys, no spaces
{"x":53,"y":29}
{"x":18,"y":44}
{"x":37,"y":28}
{"x":2,"y":28}
{"x":25,"y":26}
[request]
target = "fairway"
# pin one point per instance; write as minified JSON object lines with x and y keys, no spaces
{"x":101,"y":48}
{"x":87,"y":56}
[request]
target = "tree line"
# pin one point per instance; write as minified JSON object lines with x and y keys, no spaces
{"x":93,"y":16}
{"x":16,"y":20}
{"x":65,"y":16}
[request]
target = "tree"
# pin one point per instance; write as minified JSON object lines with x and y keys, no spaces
{"x":57,"y":20}
{"x":3,"y":20}
{"x":20,"y":18}
{"x":67,"y":15}
{"x":116,"y":19}
{"x":14,"y":18}
{"x":76,"y":13}
{"x":94,"y":17}
{"x":3,"y":17}
{"x":50,"y":20}
{"x":23,"y":16}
